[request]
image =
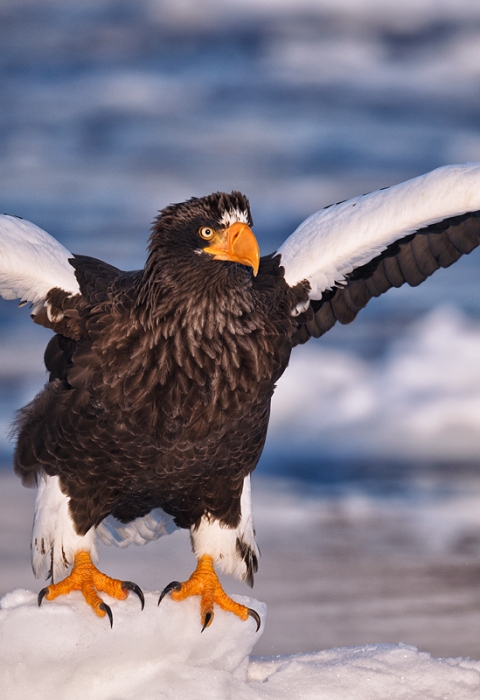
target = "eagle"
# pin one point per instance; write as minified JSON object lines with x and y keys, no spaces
{"x":157,"y":404}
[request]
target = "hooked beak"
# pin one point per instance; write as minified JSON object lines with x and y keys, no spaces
{"x":237,"y":243}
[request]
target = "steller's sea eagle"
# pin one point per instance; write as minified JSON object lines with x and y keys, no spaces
{"x":158,"y":400}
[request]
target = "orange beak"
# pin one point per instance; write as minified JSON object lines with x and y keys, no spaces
{"x":236,"y":243}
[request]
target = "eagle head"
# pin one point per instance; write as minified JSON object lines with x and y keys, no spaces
{"x":216,"y":227}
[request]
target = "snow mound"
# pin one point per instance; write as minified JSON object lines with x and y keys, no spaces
{"x":373,"y":672}
{"x":64,"y":651}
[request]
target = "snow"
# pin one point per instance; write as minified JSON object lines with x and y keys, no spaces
{"x":62,"y":650}
{"x":421,"y":401}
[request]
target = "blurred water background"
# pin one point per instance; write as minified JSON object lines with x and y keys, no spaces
{"x":112,"y":109}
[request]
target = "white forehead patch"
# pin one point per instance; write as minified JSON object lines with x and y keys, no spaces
{"x":232,"y":216}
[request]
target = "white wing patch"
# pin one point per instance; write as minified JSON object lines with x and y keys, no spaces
{"x":32,"y":262}
{"x":140,"y":531}
{"x":334,"y":241}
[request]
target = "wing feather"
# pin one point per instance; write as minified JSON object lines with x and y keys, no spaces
{"x":409,"y":261}
{"x":32,"y":262}
{"x":331,"y":244}
{"x":358,"y":249}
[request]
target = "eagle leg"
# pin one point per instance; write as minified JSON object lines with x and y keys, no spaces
{"x":85,"y":577}
{"x":204,"y":582}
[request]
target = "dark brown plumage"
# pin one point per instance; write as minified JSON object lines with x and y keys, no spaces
{"x":160,"y":380}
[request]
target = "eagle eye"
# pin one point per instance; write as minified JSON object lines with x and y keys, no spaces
{"x":206,"y":232}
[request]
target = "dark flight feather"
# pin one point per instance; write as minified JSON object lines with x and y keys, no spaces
{"x":409,"y":260}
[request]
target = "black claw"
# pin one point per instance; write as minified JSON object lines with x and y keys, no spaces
{"x":106,"y":608}
{"x":174,"y":586}
{"x":256,"y":617}
{"x":42,"y":595}
{"x":207,"y":620}
{"x":130,"y":586}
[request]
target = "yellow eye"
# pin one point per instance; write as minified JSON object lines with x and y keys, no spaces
{"x":206,"y":233}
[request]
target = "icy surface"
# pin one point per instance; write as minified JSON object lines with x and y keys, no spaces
{"x":114,"y":106}
{"x":63,"y":651}
{"x":422,"y":400}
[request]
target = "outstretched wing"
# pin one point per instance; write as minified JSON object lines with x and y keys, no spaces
{"x":32,"y":262}
{"x":36,"y":268}
{"x":360,"y":248}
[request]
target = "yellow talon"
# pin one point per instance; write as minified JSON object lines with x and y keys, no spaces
{"x":85,"y":577}
{"x":204,"y":582}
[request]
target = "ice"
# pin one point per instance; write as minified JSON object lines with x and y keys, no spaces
{"x":422,"y":401}
{"x":63,"y":651}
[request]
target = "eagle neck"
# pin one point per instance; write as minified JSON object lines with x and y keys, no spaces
{"x":196,"y":294}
